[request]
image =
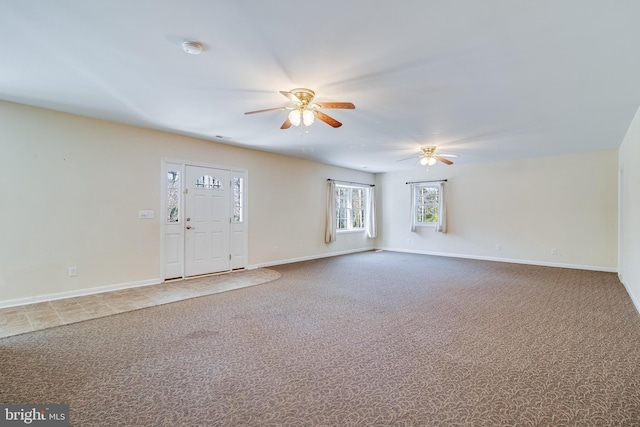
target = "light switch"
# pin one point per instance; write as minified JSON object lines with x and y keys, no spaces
{"x":146,"y":214}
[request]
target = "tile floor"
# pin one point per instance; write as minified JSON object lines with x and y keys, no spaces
{"x":34,"y":317}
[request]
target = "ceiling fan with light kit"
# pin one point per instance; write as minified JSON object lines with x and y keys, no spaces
{"x":429,"y":157}
{"x":303,"y":111}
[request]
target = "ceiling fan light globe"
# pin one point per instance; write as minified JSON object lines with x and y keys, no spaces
{"x":307,"y":117}
{"x":424,"y":161}
{"x":431,"y":161}
{"x":295,"y":117}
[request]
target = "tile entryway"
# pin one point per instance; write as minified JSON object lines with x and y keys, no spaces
{"x":34,"y":317}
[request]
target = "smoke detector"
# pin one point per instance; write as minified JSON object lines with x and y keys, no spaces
{"x":194,"y":48}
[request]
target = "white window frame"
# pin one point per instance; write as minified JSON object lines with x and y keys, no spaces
{"x":350,"y":228}
{"x":416,"y":205}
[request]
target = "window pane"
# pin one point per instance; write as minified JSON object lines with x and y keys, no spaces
{"x":238,"y":190}
{"x":358,"y":218}
{"x":343,"y":219}
{"x":357,"y":198}
{"x":420,"y":215}
{"x":208,"y":181}
{"x":427,"y":204}
{"x":173,"y":196}
{"x":427,"y":195}
{"x":342,"y":198}
{"x":431,"y":214}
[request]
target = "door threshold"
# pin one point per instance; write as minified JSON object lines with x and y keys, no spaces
{"x":197,"y":276}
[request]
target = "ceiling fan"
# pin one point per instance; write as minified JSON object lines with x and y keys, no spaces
{"x":429,"y":157}
{"x":303,"y":111}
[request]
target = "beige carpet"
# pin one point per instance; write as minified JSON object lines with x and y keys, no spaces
{"x":370,"y":339}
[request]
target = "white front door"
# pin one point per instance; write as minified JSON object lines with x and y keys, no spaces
{"x":207,"y":220}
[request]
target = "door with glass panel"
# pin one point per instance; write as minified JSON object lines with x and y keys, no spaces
{"x":207,"y":220}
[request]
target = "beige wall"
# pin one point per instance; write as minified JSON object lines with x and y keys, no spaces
{"x":526,"y":207}
{"x":71,"y":188}
{"x":629,"y":164}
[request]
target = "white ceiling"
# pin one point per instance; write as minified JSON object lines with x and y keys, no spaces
{"x":488,"y":80}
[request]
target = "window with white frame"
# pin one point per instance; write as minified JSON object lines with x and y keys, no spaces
{"x":350,"y":208}
{"x":426,"y":205}
{"x":238,"y":200}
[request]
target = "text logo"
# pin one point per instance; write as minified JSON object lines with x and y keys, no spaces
{"x":54,"y":415}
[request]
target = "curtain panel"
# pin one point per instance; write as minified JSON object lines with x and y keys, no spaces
{"x":412,"y":208}
{"x":330,"y":225}
{"x":441,"y":226}
{"x":370,"y":214}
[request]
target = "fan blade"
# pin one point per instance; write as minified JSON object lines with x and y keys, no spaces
{"x":328,"y":120}
{"x":455,"y":156}
{"x":286,"y":124}
{"x":268,"y":109}
{"x":443,"y":160}
{"x":346,"y":105}
{"x":417,"y":156}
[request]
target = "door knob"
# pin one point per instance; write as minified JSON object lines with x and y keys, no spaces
{"x":189,"y":227}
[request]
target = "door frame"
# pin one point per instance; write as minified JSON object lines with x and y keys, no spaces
{"x":181,"y":165}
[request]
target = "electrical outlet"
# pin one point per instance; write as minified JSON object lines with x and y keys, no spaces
{"x":73,"y":271}
{"x":554,"y":251}
{"x":498,"y":247}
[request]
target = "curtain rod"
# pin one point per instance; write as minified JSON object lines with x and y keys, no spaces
{"x":420,"y":182}
{"x":349,"y":182}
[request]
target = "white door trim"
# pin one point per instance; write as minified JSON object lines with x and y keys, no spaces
{"x":178,"y":271}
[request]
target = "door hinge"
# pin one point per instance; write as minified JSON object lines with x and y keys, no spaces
{"x":186,"y":191}
{"x":229,"y":257}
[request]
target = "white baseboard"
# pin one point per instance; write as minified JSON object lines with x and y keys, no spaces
{"x":509,"y":260}
{"x":77,"y":293}
{"x":307,"y":258}
{"x":117,"y":287}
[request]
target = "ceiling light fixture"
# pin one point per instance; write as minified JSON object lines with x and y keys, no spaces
{"x":428,"y":160}
{"x":295,"y":117}
{"x":301,"y":116}
{"x":307,"y":117}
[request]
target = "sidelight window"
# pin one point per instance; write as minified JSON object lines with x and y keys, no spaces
{"x":173,"y":196}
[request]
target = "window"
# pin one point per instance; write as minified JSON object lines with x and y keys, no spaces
{"x":350,"y":205}
{"x":238,"y":194}
{"x":426,"y":205}
{"x":173,"y":196}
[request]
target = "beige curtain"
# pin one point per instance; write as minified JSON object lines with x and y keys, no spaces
{"x":330,"y":225}
{"x":441,"y":226}
{"x":412,"y":208}
{"x":370,"y":213}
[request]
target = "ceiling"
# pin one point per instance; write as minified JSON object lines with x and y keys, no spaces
{"x":487,"y":80}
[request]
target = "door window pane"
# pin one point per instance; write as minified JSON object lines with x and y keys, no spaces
{"x":208,"y":181}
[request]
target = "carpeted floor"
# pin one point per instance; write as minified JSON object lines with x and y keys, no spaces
{"x":369,"y":339}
